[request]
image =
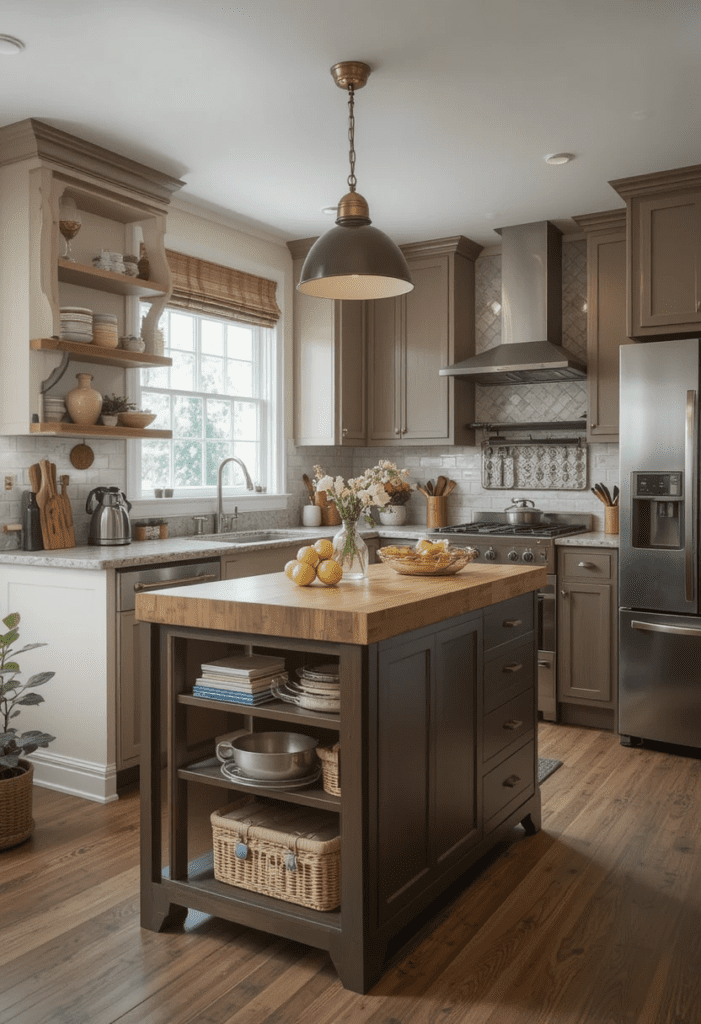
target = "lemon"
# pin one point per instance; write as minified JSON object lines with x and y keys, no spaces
{"x":329,"y":572}
{"x":303,"y":574}
{"x":424,"y":545}
{"x":290,"y":566}
{"x":324,"y":548}
{"x":308,"y":555}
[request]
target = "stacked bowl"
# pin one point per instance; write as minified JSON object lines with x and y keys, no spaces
{"x":318,"y":689}
{"x":104,"y":330}
{"x":54,"y":409}
{"x":76,"y":324}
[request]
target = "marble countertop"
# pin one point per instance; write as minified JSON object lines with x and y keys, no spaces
{"x":181,"y":549}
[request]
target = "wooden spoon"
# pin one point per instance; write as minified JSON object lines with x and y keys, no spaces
{"x":420,"y":487}
{"x":35,"y":477}
{"x":310,"y":487}
{"x":429,"y":488}
{"x":440,"y":485}
{"x":450,"y":486}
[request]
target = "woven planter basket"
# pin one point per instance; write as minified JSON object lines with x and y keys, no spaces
{"x":330,"y":758}
{"x":330,"y":516}
{"x":16,"y":822}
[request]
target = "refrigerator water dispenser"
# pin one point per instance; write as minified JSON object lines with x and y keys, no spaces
{"x":658,"y":510}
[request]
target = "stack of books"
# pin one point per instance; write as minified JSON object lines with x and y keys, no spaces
{"x":240,"y":679}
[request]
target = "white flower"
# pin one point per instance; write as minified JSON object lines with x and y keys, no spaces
{"x":325,"y":483}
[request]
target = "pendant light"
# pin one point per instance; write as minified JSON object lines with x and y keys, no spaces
{"x":354,"y":260}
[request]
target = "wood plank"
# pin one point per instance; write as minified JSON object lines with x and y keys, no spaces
{"x":386,"y":605}
{"x":595,"y":918}
{"x":97,"y":430}
{"x":80,"y":353}
{"x":107,"y":280}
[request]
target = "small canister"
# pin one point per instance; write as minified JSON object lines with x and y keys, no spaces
{"x":611,"y":519}
{"x":436,"y":514}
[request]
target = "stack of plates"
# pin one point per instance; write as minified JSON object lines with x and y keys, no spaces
{"x":104,"y":330}
{"x":76,"y":324}
{"x":54,"y":409}
{"x":131,"y":266}
{"x":318,"y":689}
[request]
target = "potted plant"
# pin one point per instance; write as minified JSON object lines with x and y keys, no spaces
{"x":112,"y":405}
{"x":16,"y":774}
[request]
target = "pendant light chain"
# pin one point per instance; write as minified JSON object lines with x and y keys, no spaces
{"x":352,"y":180}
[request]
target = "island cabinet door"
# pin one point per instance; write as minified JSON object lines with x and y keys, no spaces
{"x":424,"y":742}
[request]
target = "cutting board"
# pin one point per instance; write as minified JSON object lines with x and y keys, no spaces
{"x":54,"y":530}
{"x":66,"y":509}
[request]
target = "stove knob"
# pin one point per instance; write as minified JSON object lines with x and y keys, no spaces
{"x":513,"y":555}
{"x":490,"y":554}
{"x":476,"y":551}
{"x":528,"y":555}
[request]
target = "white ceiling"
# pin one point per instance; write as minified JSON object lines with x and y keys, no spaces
{"x":464,"y":100}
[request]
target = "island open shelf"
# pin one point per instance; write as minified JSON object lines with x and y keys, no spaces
{"x":428,"y":668}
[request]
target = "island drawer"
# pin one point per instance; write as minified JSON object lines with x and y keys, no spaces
{"x":584,"y":563}
{"x":507,"y":622}
{"x":507,"y":724}
{"x":508,"y":674}
{"x":509,"y":782}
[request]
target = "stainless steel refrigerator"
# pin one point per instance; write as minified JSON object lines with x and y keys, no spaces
{"x":660,"y":615}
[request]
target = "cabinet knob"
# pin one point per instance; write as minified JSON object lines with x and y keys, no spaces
{"x":344,"y":432}
{"x":564,"y":593}
{"x":397,"y":431}
{"x":515,"y":667}
{"x":512,"y":725}
{"x":513,"y":780}
{"x":511,"y":623}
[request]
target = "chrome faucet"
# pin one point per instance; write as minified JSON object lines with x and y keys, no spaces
{"x":220,"y":517}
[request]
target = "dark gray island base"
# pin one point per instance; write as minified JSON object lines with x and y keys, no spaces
{"x":437,"y":731}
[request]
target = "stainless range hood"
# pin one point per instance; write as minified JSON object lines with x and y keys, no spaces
{"x":531,"y":315}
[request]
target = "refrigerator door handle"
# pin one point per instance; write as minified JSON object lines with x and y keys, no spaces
{"x":690,"y":442}
{"x":660,"y":627}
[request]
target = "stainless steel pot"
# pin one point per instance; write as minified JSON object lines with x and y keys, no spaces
{"x":275,"y":756}
{"x":519,"y":514}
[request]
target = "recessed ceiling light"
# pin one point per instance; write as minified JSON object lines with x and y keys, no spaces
{"x":558,"y":158}
{"x":10,"y":46}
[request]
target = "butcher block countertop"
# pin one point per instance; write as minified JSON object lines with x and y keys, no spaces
{"x":384,"y":606}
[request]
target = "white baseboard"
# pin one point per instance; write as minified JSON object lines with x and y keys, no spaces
{"x":85,"y":779}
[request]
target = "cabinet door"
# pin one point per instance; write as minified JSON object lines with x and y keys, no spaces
{"x":606,"y":330}
{"x":351,"y":372}
{"x":384,"y":331}
{"x":669,"y":238}
{"x":454,"y":717}
{"x":235,"y":566}
{"x":134,"y":663}
{"x":425,"y":348}
{"x":585,"y":641}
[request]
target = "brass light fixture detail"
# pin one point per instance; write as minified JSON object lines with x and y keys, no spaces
{"x":354,"y":260}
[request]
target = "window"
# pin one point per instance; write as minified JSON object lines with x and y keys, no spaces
{"x":218,"y":398}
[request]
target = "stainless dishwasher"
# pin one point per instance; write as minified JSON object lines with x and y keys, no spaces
{"x":133,"y":642}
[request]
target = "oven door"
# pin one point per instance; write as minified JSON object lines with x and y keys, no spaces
{"x":547,"y":646}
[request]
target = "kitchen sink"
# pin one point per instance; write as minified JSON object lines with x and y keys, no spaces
{"x":258,"y":537}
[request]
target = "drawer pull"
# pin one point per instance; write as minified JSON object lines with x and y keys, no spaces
{"x":543,"y":664}
{"x":513,"y":724}
{"x":513,"y":780}
{"x":511,"y":623}
{"x":516,"y":667}
{"x":586,"y":565}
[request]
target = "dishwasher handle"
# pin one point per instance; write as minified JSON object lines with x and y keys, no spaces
{"x":189,"y":581}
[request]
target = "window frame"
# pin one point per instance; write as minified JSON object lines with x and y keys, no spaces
{"x":205,"y":500}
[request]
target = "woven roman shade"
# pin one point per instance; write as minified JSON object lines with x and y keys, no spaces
{"x":213,"y":290}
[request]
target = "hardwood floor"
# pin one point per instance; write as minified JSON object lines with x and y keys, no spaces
{"x":595,"y":920}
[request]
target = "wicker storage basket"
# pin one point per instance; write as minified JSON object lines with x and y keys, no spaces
{"x":330,"y":758}
{"x":16,"y":822}
{"x":330,"y":516}
{"x":291,"y":853}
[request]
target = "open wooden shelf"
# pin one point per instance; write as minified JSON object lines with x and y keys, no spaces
{"x":80,"y":430}
{"x":107,"y":280}
{"x":80,"y":353}
{"x":277,"y":710}
{"x":209,"y":772}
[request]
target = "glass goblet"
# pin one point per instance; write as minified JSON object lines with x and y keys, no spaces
{"x":69,"y":223}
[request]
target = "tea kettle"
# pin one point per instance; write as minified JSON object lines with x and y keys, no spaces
{"x":110,"y":519}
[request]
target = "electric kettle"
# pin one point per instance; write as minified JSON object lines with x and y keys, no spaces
{"x":110,"y":518}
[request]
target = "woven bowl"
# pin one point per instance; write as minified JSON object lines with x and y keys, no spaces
{"x":136,"y":419}
{"x":445,"y":564}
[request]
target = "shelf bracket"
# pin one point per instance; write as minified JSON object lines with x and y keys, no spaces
{"x":56,"y":374}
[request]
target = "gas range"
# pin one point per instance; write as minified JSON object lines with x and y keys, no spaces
{"x":497,"y":540}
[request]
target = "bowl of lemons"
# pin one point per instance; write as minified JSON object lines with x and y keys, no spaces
{"x":314,"y":562}
{"x":427,"y":558}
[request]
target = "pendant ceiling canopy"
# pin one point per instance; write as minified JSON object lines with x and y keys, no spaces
{"x":354,"y":260}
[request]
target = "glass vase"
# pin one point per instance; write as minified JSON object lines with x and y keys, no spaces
{"x":351,"y":551}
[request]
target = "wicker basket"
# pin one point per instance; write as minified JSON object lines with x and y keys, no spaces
{"x":415,"y":564}
{"x":281,"y":850}
{"x":330,"y":516}
{"x":330,"y":758}
{"x":16,"y":822}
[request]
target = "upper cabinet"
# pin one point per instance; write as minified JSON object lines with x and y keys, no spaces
{"x":664,"y":252}
{"x":411,"y":337}
{"x":606,"y":318}
{"x":121,"y":204}
{"x":330,"y":365}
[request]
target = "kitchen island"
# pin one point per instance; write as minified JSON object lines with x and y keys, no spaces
{"x":437,"y":732}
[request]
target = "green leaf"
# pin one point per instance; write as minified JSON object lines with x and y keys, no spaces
{"x":39,"y":679}
{"x":29,"y":647}
{"x":30,"y":698}
{"x":11,"y":620}
{"x":14,"y":714}
{"x":9,"y":761}
{"x":10,"y":666}
{"x":9,"y":638}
